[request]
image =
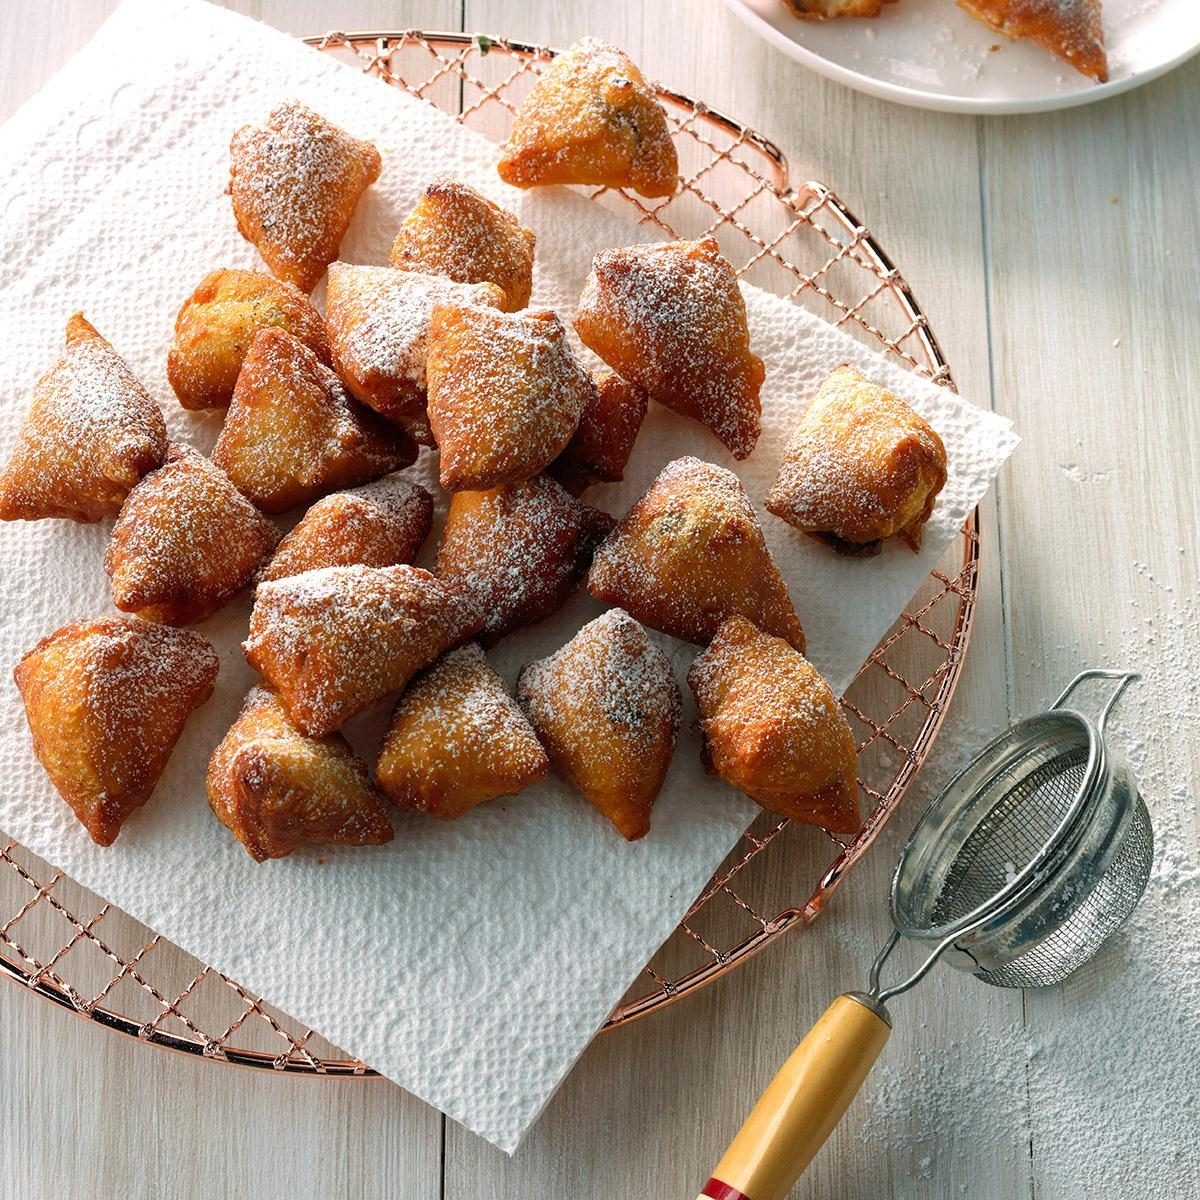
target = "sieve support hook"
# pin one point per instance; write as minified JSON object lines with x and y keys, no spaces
{"x":1124,"y":678}
{"x":883,"y":994}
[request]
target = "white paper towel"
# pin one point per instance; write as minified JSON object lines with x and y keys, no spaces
{"x":472,"y":961}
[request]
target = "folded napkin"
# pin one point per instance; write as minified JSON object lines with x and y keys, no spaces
{"x":469,"y":961}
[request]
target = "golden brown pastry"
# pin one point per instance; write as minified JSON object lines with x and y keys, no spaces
{"x":670,"y":318}
{"x":217,"y":323}
{"x":186,"y":542}
{"x":378,"y":322}
{"x":293,"y":433}
{"x":332,"y":642}
{"x":518,"y":551}
{"x":106,"y":702}
{"x":505,"y":394}
{"x":457,"y":739}
{"x":276,"y":789}
{"x":458,"y":232}
{"x":606,"y":707}
{"x":689,"y":554}
{"x":380,"y":525}
{"x":592,"y":119}
{"x":861,"y":466}
{"x":774,"y":729}
{"x":91,"y":433}
{"x":824,"y":10}
{"x":295,"y":182}
{"x":603,"y":441}
{"x":1069,"y":29}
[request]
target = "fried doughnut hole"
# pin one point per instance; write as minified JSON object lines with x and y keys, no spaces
{"x":294,"y":434}
{"x":592,"y":119}
{"x":91,"y":433}
{"x":380,"y":525}
{"x":295,"y":182}
{"x":773,"y":728}
{"x":333,"y":641}
{"x":861,"y":466}
{"x":275,"y":789}
{"x":824,"y":10}
{"x":186,"y":542}
{"x":689,"y":554}
{"x":603,"y":442}
{"x":106,"y":701}
{"x":457,"y":739}
{"x":606,"y":707}
{"x":458,"y":232}
{"x":518,"y":551}
{"x":378,"y":322}
{"x":505,"y":394}
{"x":1069,"y":29}
{"x":217,"y":324}
{"x":670,"y":318}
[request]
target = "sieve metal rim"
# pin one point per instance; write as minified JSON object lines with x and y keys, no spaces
{"x":1015,"y":742}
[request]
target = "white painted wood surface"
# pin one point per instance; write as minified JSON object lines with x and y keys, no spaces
{"x":1055,"y":258}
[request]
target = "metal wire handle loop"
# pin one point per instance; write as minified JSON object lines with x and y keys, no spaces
{"x":1125,"y":679}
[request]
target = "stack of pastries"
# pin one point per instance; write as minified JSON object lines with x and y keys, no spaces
{"x":440,"y":349}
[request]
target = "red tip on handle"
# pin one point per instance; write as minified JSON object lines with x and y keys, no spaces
{"x":714,"y":1189}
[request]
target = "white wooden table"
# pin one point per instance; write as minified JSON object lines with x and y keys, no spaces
{"x":1055,"y":256}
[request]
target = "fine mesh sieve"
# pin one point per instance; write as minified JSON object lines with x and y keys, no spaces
{"x":1019,"y":870}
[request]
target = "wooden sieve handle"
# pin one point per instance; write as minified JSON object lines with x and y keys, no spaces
{"x":803,"y":1103}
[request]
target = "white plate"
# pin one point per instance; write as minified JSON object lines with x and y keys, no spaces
{"x":931,"y":54}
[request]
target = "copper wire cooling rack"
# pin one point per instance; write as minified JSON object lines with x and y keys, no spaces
{"x":66,"y":945}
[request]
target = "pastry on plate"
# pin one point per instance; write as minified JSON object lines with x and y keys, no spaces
{"x":603,"y":441}
{"x":333,"y":641}
{"x":457,"y":740}
{"x":860,"y":467}
{"x":275,"y":789}
{"x":670,"y":318}
{"x":293,"y":433}
{"x":186,"y":542}
{"x":773,"y":728}
{"x":824,"y":10}
{"x":378,"y":322}
{"x":217,"y":324}
{"x":295,"y":182}
{"x":505,"y":394}
{"x":606,"y":707}
{"x":1069,"y":29}
{"x":691,"y":553}
{"x":458,"y":232}
{"x":518,"y":551}
{"x":91,"y":433}
{"x":592,"y":119}
{"x":106,"y":701}
{"x":380,"y":525}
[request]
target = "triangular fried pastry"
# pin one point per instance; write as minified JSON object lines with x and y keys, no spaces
{"x":505,"y":394}
{"x":518,"y":551}
{"x":380,"y":525}
{"x":773,"y":728}
{"x":1069,"y":29}
{"x":670,"y":318}
{"x":458,"y":739}
{"x":217,"y":324}
{"x":458,"y":232}
{"x":293,"y":433}
{"x":606,"y":707}
{"x":91,"y":433}
{"x":106,"y":702}
{"x":861,"y":466}
{"x":592,"y":119}
{"x":334,"y":641}
{"x":295,"y":182}
{"x":603,"y":442}
{"x":186,"y":542}
{"x":691,"y":553}
{"x":275,"y":789}
{"x":378,"y":322}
